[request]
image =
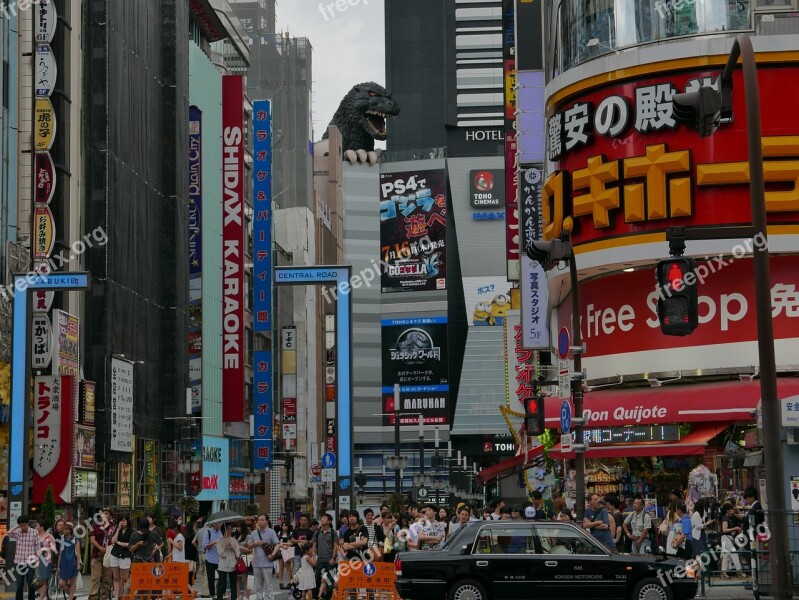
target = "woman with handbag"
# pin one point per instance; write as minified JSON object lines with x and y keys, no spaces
{"x":241,"y":533}
{"x":229,"y":553}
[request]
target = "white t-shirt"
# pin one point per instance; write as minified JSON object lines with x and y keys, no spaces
{"x":179,"y":555}
{"x":413,"y":533}
{"x":697,"y":525}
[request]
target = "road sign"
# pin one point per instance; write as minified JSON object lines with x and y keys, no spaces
{"x":564,"y":341}
{"x":565,"y":416}
{"x":344,"y":502}
{"x":316,"y":471}
{"x":329,"y":460}
{"x":566,"y":441}
{"x":564,"y":378}
{"x":328,"y":476}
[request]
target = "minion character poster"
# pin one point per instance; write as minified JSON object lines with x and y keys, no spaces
{"x":487,"y":300}
{"x":415,"y":356}
{"x":413,"y":230}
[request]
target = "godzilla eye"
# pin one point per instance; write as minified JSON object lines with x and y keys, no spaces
{"x":372,"y":95}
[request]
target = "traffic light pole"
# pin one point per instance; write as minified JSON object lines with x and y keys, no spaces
{"x":779,"y":555}
{"x":577,"y":394}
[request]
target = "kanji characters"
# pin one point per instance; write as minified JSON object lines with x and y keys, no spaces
{"x":575,"y":125}
{"x":784,"y":297}
{"x":653,"y":107}
{"x":555,"y":136}
{"x":655,"y":166}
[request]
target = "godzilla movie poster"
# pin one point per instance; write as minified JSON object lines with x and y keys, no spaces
{"x":413,"y":230}
{"x":415,"y":356}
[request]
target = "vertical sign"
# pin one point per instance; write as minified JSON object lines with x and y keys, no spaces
{"x":511,"y":174}
{"x":263,"y":440}
{"x":533,"y":280}
{"x":52,"y":446}
{"x":121,"y":405}
{"x":288,"y":346}
{"x":262,"y":225}
{"x":233,"y":247}
{"x":195,"y":257}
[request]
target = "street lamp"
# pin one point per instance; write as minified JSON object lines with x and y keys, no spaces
{"x":705,"y":110}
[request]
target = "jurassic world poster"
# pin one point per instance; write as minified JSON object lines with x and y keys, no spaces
{"x":413,"y":230}
{"x":415,"y":356}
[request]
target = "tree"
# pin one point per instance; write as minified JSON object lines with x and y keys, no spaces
{"x":158,"y":515}
{"x":48,"y":507}
{"x":396,"y":503}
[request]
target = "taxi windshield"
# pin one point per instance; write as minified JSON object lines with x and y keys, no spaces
{"x":453,"y":539}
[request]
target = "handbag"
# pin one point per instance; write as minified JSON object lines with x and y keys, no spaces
{"x":107,"y":558}
{"x":268,"y":549}
{"x":241,"y":566}
{"x":664,"y":524}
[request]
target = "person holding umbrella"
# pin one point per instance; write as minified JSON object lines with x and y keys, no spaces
{"x":228,"y":550}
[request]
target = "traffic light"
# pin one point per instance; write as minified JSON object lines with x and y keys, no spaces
{"x":534,"y":415}
{"x":548,"y":254}
{"x":678,"y":296}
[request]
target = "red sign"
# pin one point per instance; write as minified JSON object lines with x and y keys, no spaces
{"x":233,"y":248}
{"x":53,"y":413}
{"x":45,"y":178}
{"x":289,"y":410}
{"x":330,"y":392}
{"x":511,"y":207}
{"x":625,"y":167}
{"x":239,"y":485}
{"x":618,"y":312}
{"x":316,"y":471}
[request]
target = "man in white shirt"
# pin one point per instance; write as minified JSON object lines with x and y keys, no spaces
{"x":413,"y":530}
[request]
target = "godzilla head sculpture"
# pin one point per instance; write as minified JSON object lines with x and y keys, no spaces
{"x":361,"y":119}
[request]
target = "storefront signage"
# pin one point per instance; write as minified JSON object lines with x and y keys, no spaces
{"x":45,"y":21}
{"x":624,"y":166}
{"x":124,"y":472}
{"x":413,"y":230}
{"x":47,"y":417}
{"x":42,"y":301}
{"x":85,"y":484}
{"x":195,"y":256}
{"x":45,"y":125}
{"x":532,"y":278}
{"x":45,"y":178}
{"x":233,"y":248}
{"x":46,"y":71}
{"x":790,"y":411}
{"x":84,"y":447}
{"x":521,"y":371}
{"x":215,"y":471}
{"x":482,"y":445}
{"x":87,"y":402}
{"x":67,"y":343}
{"x":262,"y":220}
{"x":264,"y":409}
{"x":41,"y":336}
{"x":121,"y":405}
{"x":43,"y":233}
{"x":486,"y":188}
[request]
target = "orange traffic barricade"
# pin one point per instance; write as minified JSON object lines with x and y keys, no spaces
{"x":166,"y":580}
{"x":365,"y":581}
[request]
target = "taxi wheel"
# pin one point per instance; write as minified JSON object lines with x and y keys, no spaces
{"x":651,"y":589}
{"x":468,"y":589}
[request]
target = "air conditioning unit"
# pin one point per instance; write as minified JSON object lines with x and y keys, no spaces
{"x":776,"y":23}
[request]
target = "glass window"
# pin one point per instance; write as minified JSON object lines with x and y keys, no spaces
{"x":498,"y":540}
{"x":566,"y":540}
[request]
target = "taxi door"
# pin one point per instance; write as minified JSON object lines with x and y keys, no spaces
{"x":506,"y":557}
{"x":575,"y":566}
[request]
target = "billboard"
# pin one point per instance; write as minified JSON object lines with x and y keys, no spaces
{"x":121,"y":405}
{"x":487,"y":300}
{"x":215,"y":457}
{"x":533,"y":278}
{"x":413,"y":230}
{"x":262,"y":220}
{"x":233,"y":247}
{"x":53,"y":437}
{"x":195,"y":254}
{"x":415,"y":356}
{"x":487,"y":188}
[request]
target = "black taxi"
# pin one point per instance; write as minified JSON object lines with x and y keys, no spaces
{"x":502,"y":560}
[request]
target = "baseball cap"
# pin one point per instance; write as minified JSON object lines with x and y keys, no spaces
{"x":529,"y":512}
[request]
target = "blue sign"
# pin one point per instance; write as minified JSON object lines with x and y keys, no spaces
{"x":262,"y":217}
{"x":53,"y":281}
{"x":311,"y":275}
{"x":263,"y":409}
{"x":369,"y":569}
{"x":215,"y":456}
{"x":565,"y":416}
{"x":328,"y":460}
{"x":564,"y":342}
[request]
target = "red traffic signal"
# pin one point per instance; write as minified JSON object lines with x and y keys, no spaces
{"x":534,"y":415}
{"x":678,"y":295}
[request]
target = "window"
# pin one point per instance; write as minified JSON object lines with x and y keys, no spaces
{"x":565,"y":540}
{"x":497,"y":540}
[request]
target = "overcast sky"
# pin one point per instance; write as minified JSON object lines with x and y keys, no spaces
{"x":348,"y":48}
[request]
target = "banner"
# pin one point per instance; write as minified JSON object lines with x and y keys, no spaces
{"x":263,"y":439}
{"x":121,"y":405}
{"x":262,"y":221}
{"x":533,"y":279}
{"x":66,"y":352}
{"x":511,"y":174}
{"x":53,"y":437}
{"x":487,"y":300}
{"x":415,"y":356}
{"x":195,"y":256}
{"x":233,"y":247}
{"x":413,"y":230}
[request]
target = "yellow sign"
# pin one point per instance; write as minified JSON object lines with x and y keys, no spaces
{"x":44,"y":125}
{"x":161,"y":577}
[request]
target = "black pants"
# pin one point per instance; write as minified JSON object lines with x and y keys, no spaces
{"x":229,"y":579}
{"x":24,"y":582}
{"x":210,"y":571}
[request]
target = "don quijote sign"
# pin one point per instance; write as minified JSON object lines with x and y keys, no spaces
{"x":624,"y":166}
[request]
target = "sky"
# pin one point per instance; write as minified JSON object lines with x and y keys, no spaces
{"x":348,"y":47}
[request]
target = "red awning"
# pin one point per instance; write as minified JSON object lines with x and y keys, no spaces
{"x":508,"y":466}
{"x":672,"y":403}
{"x":692,"y":444}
